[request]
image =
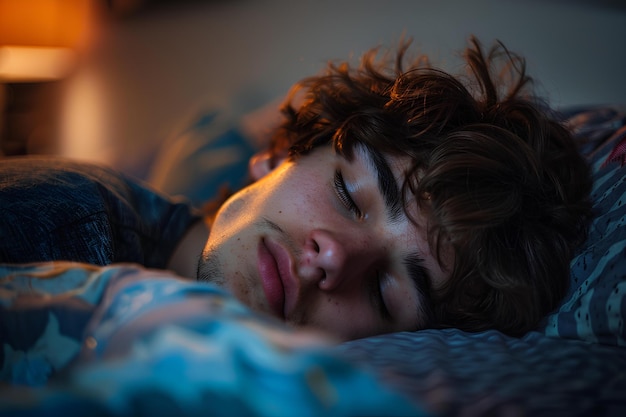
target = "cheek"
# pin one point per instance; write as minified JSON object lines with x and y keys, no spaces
{"x":239,"y":211}
{"x":297,"y":196}
{"x":233,"y":206}
{"x":231,"y":209}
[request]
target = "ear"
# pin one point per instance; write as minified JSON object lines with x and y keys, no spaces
{"x":262,"y":163}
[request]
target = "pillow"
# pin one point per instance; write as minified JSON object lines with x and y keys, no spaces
{"x":455,"y":373}
{"x":212,"y":149}
{"x":574,"y":364}
{"x":594,"y":310}
{"x":210,"y":153}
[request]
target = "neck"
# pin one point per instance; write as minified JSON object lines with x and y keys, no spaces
{"x":184,"y":259}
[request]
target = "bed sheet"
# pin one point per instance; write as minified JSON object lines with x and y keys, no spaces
{"x":128,"y":341}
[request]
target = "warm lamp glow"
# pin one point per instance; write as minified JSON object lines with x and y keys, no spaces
{"x":39,"y":38}
{"x":83,"y":110}
{"x":64,"y":23}
{"x":32,"y":63}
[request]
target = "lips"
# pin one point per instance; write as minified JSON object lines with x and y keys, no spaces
{"x":269,"y":266}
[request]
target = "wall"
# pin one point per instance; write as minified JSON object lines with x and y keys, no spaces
{"x":149,"y":70}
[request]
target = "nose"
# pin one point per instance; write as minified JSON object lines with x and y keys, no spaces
{"x":327,"y":260}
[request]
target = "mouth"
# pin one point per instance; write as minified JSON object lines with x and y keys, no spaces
{"x":273,"y":266}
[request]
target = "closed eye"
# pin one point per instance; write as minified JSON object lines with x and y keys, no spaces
{"x":344,"y":195}
{"x":379,"y":299}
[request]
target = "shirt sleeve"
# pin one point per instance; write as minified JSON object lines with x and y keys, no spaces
{"x":55,"y":209}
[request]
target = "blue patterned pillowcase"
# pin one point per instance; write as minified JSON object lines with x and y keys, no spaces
{"x":594,"y":310}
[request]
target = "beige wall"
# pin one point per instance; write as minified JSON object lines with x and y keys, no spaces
{"x":149,"y":70}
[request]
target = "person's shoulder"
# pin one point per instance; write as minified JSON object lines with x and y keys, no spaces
{"x":32,"y":165}
{"x":20,"y":172}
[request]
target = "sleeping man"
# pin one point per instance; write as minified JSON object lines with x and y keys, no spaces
{"x":391,"y":198}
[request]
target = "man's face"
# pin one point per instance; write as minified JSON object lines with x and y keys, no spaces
{"x":323,"y":242}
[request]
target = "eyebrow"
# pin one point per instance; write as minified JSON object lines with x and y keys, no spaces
{"x":387,"y":184}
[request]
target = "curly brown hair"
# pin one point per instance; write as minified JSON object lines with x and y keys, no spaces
{"x":500,"y":178}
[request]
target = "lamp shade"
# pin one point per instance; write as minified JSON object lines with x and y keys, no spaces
{"x":45,"y":23}
{"x":39,"y":38}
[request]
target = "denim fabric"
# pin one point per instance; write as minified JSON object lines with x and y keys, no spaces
{"x":56,"y":209}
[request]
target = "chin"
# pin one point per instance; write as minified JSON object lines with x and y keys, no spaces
{"x":210,"y":270}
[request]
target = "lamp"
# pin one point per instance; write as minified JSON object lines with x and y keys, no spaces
{"x":39,"y":44}
{"x":39,"y":38}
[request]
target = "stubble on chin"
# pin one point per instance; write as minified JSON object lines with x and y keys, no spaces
{"x":210,"y":269}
